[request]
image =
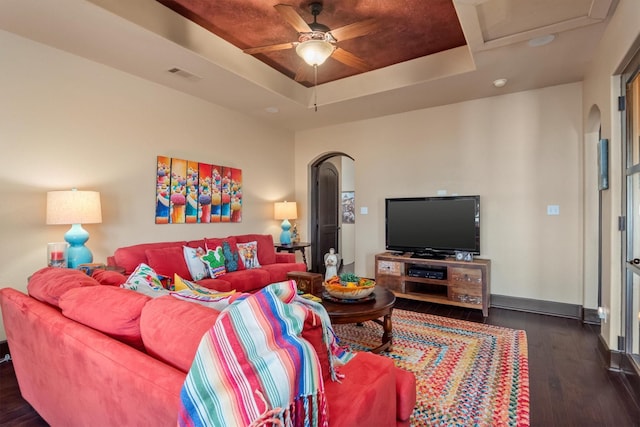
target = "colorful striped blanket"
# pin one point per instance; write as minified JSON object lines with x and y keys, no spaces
{"x":253,"y":368}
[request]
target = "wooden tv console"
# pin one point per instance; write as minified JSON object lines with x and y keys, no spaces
{"x":442,"y":281}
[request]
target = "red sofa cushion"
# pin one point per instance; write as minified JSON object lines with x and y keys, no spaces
{"x":167,"y":261}
{"x":405,"y":394}
{"x":368,"y":378}
{"x":266,"y":250}
{"x":49,"y":283}
{"x":111,"y":310}
{"x":247,"y":280}
{"x":218,"y":284}
{"x":109,"y":278}
{"x":172,"y":329}
{"x":196,"y":243}
{"x":129,"y":257}
{"x":278,"y":271}
{"x":312,"y":332}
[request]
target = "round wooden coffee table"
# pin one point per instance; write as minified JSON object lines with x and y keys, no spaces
{"x":358,"y":312}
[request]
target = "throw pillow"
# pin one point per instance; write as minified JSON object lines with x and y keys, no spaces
{"x":196,"y":266}
{"x":145,"y":280}
{"x":218,"y":301}
{"x":249,"y":254}
{"x":192,"y":292}
{"x":185,"y":285}
{"x":232,"y":260}
{"x":215,"y":260}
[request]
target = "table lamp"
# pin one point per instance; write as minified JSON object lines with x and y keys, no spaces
{"x":76,"y":208}
{"x":285,"y":211}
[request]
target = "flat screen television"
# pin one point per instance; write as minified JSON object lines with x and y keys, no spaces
{"x":433,"y":226}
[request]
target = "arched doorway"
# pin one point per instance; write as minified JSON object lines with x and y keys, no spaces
{"x":330,"y":174}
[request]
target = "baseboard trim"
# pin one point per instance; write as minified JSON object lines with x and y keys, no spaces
{"x":612,"y":358}
{"x":549,"y":308}
{"x":620,"y":362}
{"x":590,"y":315}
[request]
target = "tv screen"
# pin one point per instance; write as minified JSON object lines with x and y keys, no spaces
{"x":433,"y":225}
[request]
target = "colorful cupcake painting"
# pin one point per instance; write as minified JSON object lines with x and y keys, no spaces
{"x":192,"y":192}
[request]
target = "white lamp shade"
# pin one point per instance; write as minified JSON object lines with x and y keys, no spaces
{"x":73,"y":207}
{"x":315,"y":52}
{"x":285,"y":210}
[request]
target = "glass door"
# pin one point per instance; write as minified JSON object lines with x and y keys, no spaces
{"x":631,"y":129}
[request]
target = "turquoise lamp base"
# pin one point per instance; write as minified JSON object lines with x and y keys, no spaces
{"x":285,"y":236}
{"x":77,"y":253}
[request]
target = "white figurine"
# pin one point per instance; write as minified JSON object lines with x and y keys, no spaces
{"x":331,"y":262}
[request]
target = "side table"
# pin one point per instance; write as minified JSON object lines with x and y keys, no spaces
{"x":293,"y":247}
{"x":307,"y":282}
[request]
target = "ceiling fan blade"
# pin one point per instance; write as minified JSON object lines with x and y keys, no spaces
{"x":269,"y":48}
{"x":356,"y":29}
{"x":348,"y":58}
{"x":291,"y":16}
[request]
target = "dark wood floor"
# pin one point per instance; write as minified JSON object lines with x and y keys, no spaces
{"x":569,"y":385}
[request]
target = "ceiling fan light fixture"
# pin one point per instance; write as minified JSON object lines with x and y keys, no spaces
{"x":315,"y":52}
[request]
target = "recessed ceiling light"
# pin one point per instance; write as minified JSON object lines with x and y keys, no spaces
{"x":542,"y":40}
{"x":272,"y":110}
{"x":499,"y":82}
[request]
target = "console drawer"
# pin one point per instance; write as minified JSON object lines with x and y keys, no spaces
{"x":463,"y":276}
{"x":467,"y":293}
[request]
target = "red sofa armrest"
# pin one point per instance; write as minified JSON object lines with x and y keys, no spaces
{"x":285,"y":257}
{"x":111,"y":261}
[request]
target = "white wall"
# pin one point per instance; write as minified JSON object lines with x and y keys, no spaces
{"x":519,"y":152}
{"x":67,"y":122}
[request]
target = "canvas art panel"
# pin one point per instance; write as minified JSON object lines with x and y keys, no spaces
{"x":192,"y":192}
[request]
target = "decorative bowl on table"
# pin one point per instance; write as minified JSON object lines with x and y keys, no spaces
{"x":354,"y":288}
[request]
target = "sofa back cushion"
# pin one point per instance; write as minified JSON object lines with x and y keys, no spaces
{"x":266,"y":250}
{"x":108,"y":309}
{"x":168,"y":261}
{"x":129,"y":257}
{"x":109,"y":278}
{"x":49,"y":283}
{"x":172,"y":329}
{"x":196,"y":243}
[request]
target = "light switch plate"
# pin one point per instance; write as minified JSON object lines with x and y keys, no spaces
{"x":553,"y":210}
{"x":364,"y":210}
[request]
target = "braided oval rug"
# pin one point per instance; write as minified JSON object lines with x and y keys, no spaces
{"x":468,"y":374}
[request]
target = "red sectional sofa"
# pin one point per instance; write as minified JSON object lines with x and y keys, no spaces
{"x":89,"y":354}
{"x":167,"y":258}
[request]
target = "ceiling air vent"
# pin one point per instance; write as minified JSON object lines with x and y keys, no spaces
{"x":184,"y":74}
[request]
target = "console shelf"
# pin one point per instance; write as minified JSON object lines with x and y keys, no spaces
{"x":442,"y":281}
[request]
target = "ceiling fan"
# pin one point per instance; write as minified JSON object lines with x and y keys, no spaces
{"x":316,"y":42}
